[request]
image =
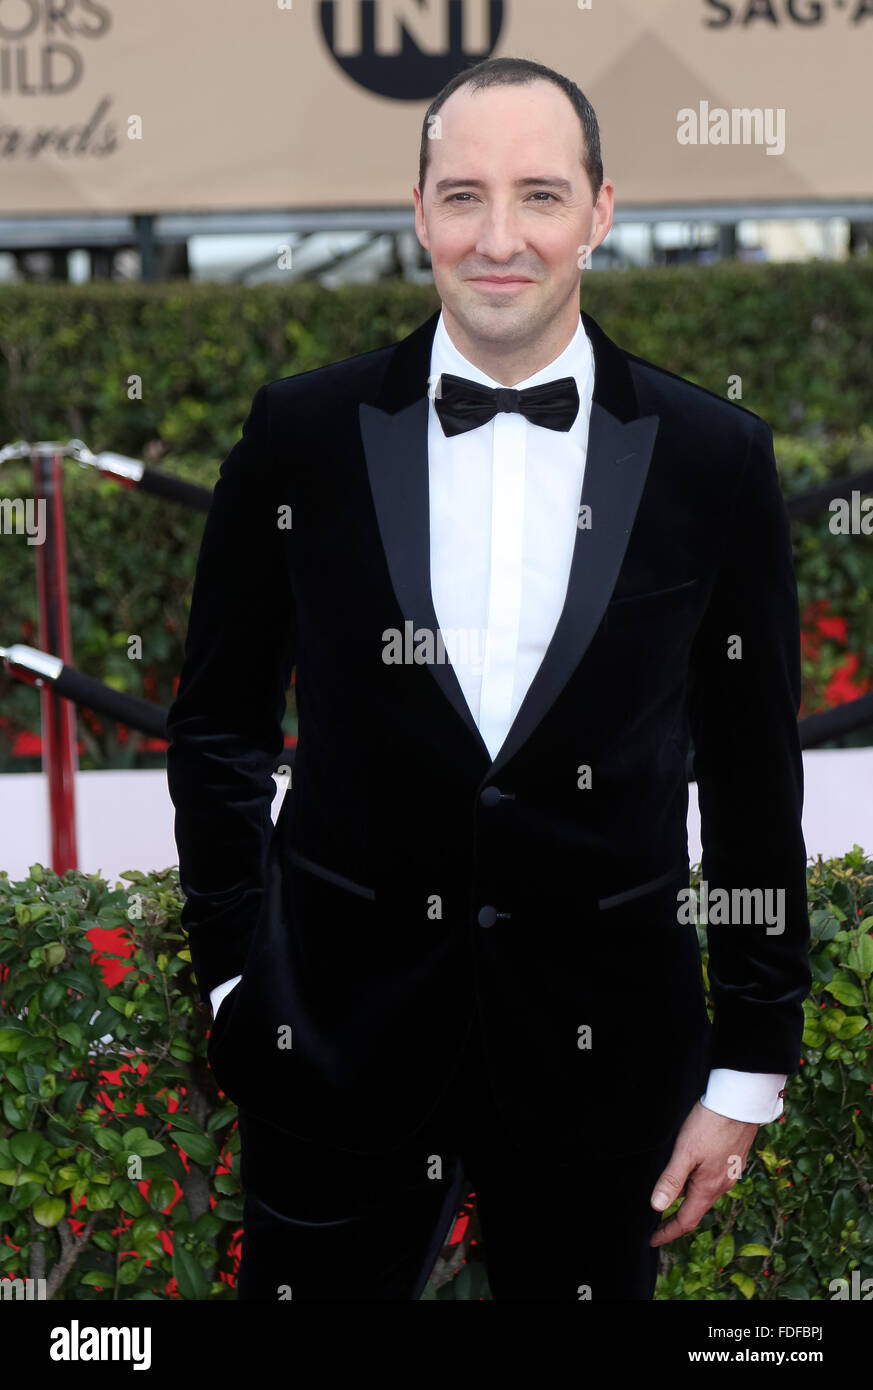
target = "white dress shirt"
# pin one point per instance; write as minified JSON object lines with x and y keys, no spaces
{"x":503,"y":522}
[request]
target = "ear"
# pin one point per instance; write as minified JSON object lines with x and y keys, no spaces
{"x":420,"y":228}
{"x":603,"y":213}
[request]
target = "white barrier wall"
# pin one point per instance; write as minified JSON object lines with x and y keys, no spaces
{"x":125,"y":819}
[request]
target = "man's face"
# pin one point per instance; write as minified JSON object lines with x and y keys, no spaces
{"x":489,"y":223}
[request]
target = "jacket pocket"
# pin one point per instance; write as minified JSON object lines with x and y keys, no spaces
{"x":330,"y":875}
{"x":654,"y":593}
{"x":220,"y":1022}
{"x":629,"y":894}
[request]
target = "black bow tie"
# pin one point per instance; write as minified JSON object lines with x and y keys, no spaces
{"x":462,"y":405}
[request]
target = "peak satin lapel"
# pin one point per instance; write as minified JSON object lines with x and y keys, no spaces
{"x":395,"y":447}
{"x":616,"y":467}
{"x":617,"y":463}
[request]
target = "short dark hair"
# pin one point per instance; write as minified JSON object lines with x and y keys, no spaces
{"x":503,"y":71}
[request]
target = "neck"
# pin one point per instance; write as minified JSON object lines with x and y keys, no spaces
{"x":510,"y":362}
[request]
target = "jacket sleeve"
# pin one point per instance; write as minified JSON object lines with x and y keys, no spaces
{"x":225,"y":724}
{"x":744,"y":699}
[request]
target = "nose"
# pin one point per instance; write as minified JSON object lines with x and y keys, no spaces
{"x":499,"y":237}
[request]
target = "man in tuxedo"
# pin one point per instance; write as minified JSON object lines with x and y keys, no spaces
{"x":518,"y":570}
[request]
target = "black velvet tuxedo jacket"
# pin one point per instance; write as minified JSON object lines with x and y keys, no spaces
{"x":411,"y":884}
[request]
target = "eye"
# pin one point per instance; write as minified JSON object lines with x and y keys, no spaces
{"x":539,"y":193}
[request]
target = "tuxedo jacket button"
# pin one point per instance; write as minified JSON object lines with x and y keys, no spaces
{"x":487,"y":916}
{"x":490,"y":796}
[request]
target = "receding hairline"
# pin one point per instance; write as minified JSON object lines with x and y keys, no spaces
{"x":590,"y":157}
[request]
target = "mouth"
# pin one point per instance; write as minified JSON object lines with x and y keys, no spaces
{"x":500,"y":282}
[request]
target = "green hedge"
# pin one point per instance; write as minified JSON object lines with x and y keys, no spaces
{"x":798,"y":336}
{"x":798,"y":1219}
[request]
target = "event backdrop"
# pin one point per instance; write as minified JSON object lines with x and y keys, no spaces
{"x":125,"y":106}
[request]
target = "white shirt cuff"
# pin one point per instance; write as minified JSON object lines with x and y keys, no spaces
{"x":216,"y":995}
{"x":752,"y":1096}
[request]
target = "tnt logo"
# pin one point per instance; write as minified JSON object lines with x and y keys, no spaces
{"x":409,"y":49}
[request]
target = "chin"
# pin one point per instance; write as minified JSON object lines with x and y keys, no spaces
{"x":504,"y":321}
{"x":498,"y":317}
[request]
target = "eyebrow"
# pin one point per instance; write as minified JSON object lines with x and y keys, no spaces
{"x":546,"y":182}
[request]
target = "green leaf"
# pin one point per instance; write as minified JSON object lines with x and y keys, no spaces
{"x":229,"y":1210}
{"x":150,"y":1148}
{"x":71,"y":1033}
{"x":131,"y":1200}
{"x":180,"y":1120}
{"x":745,"y":1285}
{"x":724,"y":1251}
{"x":129,"y":1270}
{"x":853,"y":1026}
{"x":25,"y":1146}
{"x":108,"y":1139}
{"x":823,"y":925}
{"x":11,"y":1039}
{"x":844,"y":1208}
{"x":832,"y":1020}
{"x":108,"y":918}
{"x":207,"y":1226}
{"x":753,"y":1249}
{"x":845,"y":990}
{"x":136,"y":1141}
{"x":47,"y":1211}
{"x":98,"y":1197}
{"x":189,"y":1275}
{"x":146,"y":1228}
{"x":198,"y":1147}
{"x":769,"y":1160}
{"x":35,"y":1047}
{"x":843,"y":902}
{"x":225,"y":1115}
{"x":104,"y":1023}
{"x":9,"y":1177}
{"x":822,"y":968}
{"x":161,"y":1193}
{"x":72,"y":1097}
{"x":14,"y":1116}
{"x":860,"y":956}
